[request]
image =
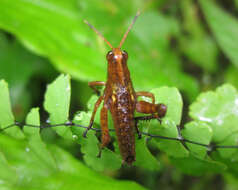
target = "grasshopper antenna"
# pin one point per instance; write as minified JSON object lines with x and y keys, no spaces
{"x":129,"y":28}
{"x":98,"y":33}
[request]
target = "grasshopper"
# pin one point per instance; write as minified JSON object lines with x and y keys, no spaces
{"x":120,"y":98}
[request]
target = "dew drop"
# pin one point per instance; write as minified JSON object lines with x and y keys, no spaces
{"x":205,"y":119}
{"x":78,"y":117}
{"x":48,"y":120}
{"x":75,"y":137}
{"x":219,"y":122}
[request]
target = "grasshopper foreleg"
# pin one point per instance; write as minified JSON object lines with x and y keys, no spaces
{"x":97,"y":104}
{"x":94,"y":84}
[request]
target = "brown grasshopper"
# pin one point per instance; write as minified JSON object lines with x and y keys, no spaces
{"x":120,"y":98}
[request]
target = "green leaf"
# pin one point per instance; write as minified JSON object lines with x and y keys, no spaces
{"x":229,"y":179}
{"x":57,"y":102}
{"x":6,"y":116}
{"x":229,"y":152}
{"x":224,"y":27}
{"x":26,"y":170}
{"x":194,"y":166}
{"x":198,"y":132}
{"x":35,"y":144}
{"x":202,"y":52}
{"x":196,"y":44}
{"x":73,"y":49}
{"x":171,"y":97}
{"x":109,"y":160}
{"x":90,"y":179}
{"x":236,"y":3}
{"x":144,"y":158}
{"x":171,"y":147}
{"x":231,"y":162}
{"x":33,"y":118}
{"x":13,"y":55}
{"x":219,"y":110}
{"x":231,"y":75}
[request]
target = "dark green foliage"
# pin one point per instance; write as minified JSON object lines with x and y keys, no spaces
{"x":205,"y":129}
{"x":178,"y":47}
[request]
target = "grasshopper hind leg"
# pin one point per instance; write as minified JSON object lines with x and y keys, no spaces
{"x":105,"y":138}
{"x":156,"y":111}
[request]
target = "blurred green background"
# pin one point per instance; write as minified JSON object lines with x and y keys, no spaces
{"x":191,"y":45}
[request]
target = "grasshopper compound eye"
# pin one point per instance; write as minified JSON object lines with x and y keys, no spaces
{"x":125,"y":54}
{"x":109,"y":55}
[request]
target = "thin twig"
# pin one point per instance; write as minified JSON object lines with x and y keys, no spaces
{"x":71,"y":124}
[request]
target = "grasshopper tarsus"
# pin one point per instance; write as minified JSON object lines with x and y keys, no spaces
{"x":159,"y":120}
{"x":85,"y":133}
{"x":99,"y":153}
{"x":139,"y":135}
{"x":86,"y":130}
{"x":137,"y":129}
{"x":98,"y":93}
